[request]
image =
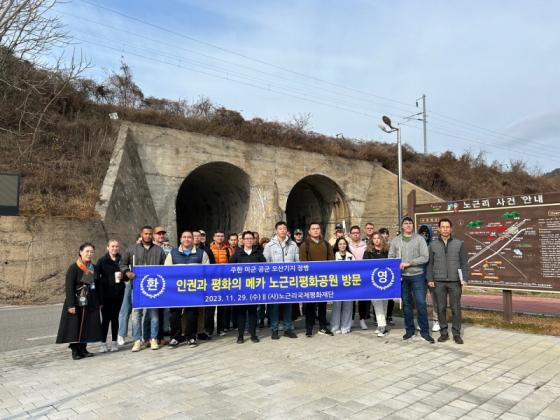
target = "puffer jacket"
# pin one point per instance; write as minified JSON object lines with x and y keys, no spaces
{"x":276,"y":251}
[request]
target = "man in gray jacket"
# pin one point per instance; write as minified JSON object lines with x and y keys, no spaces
{"x":447,"y":272}
{"x":144,"y":253}
{"x":281,"y":249}
{"x":411,"y":248}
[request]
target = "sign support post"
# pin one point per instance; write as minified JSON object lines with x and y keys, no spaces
{"x":507,"y":298}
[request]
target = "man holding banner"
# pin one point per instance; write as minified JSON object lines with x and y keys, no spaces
{"x":315,"y":248}
{"x":247,"y":254}
{"x":281,"y":249}
{"x":185,"y":254}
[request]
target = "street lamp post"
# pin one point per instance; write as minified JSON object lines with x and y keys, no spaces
{"x":388,"y":128}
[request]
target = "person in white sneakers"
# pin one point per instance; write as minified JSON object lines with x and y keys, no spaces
{"x":341,"y":316}
{"x":357,"y":247}
{"x":378,"y":248}
{"x":426,"y":232}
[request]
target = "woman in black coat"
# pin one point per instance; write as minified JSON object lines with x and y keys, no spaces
{"x":80,"y":321}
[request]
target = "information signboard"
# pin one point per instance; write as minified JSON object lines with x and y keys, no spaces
{"x":513,"y":242}
{"x":9,"y":194}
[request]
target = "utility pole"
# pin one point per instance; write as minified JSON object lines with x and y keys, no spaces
{"x":424,"y":124}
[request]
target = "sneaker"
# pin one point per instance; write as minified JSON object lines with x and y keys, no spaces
{"x":363,"y":324}
{"x":137,"y":346}
{"x":390,"y":321}
{"x":275,"y":335}
{"x":309,"y":333}
{"x":377,"y":330}
{"x":154,"y":344}
{"x":443,"y":338}
{"x":203,"y":336}
{"x":458,"y":339}
{"x":120,"y":340}
{"x":429,"y":339}
{"x":103,"y":348}
{"x":325,"y":331}
{"x":114,"y":346}
{"x":290,"y":334}
{"x":240,"y":340}
{"x":255,"y":339}
{"x":192,"y":343}
{"x":337,"y":332}
{"x":173,"y":343}
{"x":436,"y":326}
{"x":417,"y":327}
{"x":345,"y":331}
{"x":381,"y":332}
{"x":408,"y":335}
{"x":163,"y":342}
{"x":221,"y":333}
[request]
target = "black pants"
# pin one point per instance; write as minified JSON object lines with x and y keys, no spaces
{"x":247,"y":312}
{"x":363,"y":308}
{"x":191,"y":315}
{"x":209,"y":319}
{"x":390,"y":307}
{"x":310,"y":315}
{"x":453,"y":289}
{"x":110,"y":314}
{"x":224,"y":318}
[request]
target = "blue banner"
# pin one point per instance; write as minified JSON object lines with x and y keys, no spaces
{"x":165,"y":286}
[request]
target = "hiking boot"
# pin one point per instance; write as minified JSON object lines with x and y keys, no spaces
{"x":255,"y":339}
{"x":275,"y":335}
{"x":458,"y":339}
{"x":443,"y":338}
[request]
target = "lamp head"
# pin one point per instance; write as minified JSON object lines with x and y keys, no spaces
{"x":387,"y":121}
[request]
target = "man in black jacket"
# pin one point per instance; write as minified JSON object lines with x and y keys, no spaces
{"x":448,"y":271}
{"x":247,"y":254}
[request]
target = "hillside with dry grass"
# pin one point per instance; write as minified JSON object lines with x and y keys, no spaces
{"x":56,"y":132}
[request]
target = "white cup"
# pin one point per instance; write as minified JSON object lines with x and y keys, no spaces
{"x":118,"y":276}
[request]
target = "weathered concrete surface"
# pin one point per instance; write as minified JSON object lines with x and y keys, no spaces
{"x":495,"y":374}
{"x":35,"y":253}
{"x":168,"y":156}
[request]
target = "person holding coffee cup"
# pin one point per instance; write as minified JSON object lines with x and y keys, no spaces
{"x":111,"y":287}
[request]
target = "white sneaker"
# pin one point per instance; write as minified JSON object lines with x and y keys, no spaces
{"x":103,"y":348}
{"x":153,"y":344}
{"x":120,"y":340}
{"x":337,"y":332}
{"x":137,"y":346}
{"x":114,"y":346}
{"x":436,"y":326}
{"x":418,"y":327}
{"x":345,"y":331}
{"x":382,"y":332}
{"x":376,"y":331}
{"x":363,"y":324}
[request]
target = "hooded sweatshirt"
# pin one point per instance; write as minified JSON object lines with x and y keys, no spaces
{"x":412,"y":250}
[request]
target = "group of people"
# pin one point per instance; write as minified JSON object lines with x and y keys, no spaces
{"x":99,"y":295}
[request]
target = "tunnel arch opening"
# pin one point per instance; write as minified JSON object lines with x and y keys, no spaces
{"x":213,"y":196}
{"x":317,"y":198}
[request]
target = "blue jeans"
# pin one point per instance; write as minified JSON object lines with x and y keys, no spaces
{"x":153,"y":316}
{"x":273,"y":316}
{"x":126,"y":308}
{"x":415,"y":286}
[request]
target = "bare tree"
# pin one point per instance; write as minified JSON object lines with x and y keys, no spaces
{"x":124,"y":90}
{"x":29,"y":30}
{"x":301,"y":122}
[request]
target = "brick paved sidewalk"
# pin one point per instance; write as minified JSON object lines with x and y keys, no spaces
{"x":495,"y":374}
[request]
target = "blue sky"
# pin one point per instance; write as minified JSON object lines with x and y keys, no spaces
{"x":489,"y":68}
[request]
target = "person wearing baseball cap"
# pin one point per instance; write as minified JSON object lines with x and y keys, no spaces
{"x":298,"y":236}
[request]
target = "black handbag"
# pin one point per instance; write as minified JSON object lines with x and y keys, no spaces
{"x":82,"y":295}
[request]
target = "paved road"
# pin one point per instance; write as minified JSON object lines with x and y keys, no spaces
{"x":495,"y":374}
{"x":28,"y":326}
